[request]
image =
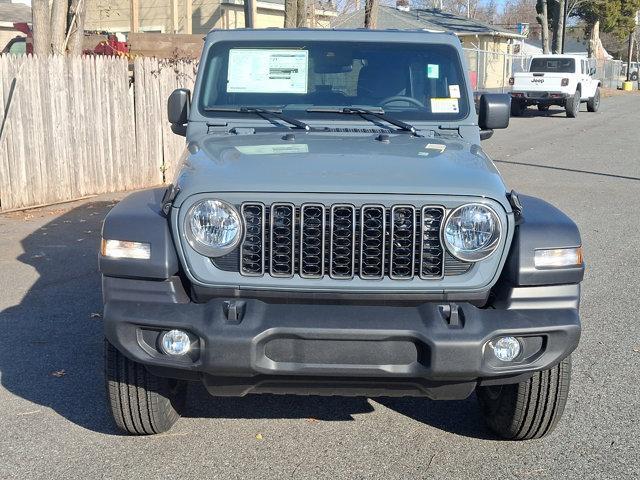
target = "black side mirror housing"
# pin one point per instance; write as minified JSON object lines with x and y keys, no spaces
{"x":178,"y":110}
{"x":494,"y":111}
{"x":592,"y":71}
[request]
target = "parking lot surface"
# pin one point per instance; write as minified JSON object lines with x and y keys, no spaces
{"x":53,"y":415}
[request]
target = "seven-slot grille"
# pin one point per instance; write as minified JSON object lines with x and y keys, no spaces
{"x":342,"y":241}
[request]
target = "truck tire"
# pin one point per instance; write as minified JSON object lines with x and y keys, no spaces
{"x":573,"y":105}
{"x":594,"y":102}
{"x":634,"y":76}
{"x":141,"y":403}
{"x":530,"y":409}
{"x":517,"y":108}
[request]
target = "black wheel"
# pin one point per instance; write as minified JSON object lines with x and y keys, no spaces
{"x":517,"y":108}
{"x":141,"y":403}
{"x":573,"y":105}
{"x":594,"y":102}
{"x":634,"y":76}
{"x":530,"y":409}
{"x":543,"y":108}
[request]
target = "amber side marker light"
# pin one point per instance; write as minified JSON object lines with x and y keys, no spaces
{"x":559,"y":258}
{"x":125,"y":249}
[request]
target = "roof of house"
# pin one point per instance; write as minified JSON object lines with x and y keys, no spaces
{"x":279,"y":4}
{"x":422,"y":19}
{"x":15,"y":13}
{"x":572,"y":45}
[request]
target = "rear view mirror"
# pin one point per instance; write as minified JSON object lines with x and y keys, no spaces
{"x":494,"y":111}
{"x":178,"y":110}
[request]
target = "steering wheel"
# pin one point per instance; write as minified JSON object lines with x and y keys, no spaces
{"x":402,"y":98}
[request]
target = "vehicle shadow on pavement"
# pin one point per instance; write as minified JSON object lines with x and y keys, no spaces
{"x":52,"y":351}
{"x":459,"y":417}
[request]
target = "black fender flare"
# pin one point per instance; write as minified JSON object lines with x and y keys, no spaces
{"x":139,"y":218}
{"x":542,"y":226}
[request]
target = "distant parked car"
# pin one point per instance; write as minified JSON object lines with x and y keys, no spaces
{"x":564,"y":80}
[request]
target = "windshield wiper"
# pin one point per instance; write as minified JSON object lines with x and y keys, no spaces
{"x":374,"y":112}
{"x":262,"y":112}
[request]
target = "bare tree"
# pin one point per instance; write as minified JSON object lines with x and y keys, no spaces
{"x":371,"y":14}
{"x":58,"y":27}
{"x":301,"y":13}
{"x":41,"y":27}
{"x":543,"y":20}
{"x":290,"y":7}
{"x":75,"y":32}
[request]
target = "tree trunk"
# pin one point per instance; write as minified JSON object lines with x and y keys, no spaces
{"x":543,"y":20}
{"x":41,"y":27}
{"x":559,"y":33}
{"x":58,"y":26}
{"x":290,"y":7}
{"x":77,"y":13}
{"x":371,"y":14}
{"x":301,"y":14}
{"x":594,"y":39}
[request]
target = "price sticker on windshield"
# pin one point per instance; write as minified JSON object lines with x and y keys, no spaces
{"x":444,"y":105}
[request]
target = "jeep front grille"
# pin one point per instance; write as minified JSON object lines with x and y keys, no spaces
{"x":342,"y":241}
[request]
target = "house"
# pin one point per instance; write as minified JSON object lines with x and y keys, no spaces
{"x":488,"y":49}
{"x":192,"y":16}
{"x":10,"y":14}
{"x":572,"y":45}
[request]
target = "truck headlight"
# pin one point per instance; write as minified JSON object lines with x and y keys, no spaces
{"x":472,"y":232}
{"x":213,"y":227}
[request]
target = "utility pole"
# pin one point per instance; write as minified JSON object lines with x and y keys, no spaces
{"x":134,"y":17}
{"x":565,"y":14}
{"x":371,"y":14}
{"x":629,"y":53}
{"x":175,"y":16}
{"x":188,"y":17}
{"x":250,"y":13}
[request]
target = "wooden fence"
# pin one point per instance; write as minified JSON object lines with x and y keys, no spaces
{"x":76,"y":126}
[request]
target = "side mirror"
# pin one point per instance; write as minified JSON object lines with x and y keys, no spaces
{"x":592,"y":71}
{"x":494,"y":111}
{"x":178,"y":110}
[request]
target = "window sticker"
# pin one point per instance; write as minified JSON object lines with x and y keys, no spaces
{"x":454,"y":91}
{"x":267,"y":71}
{"x":273,"y":149}
{"x":433,"y":70}
{"x":444,"y":105}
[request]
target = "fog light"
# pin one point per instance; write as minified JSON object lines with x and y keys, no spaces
{"x":505,"y":348}
{"x":175,"y":342}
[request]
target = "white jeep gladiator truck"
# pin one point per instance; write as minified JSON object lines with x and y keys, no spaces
{"x":564,"y":80}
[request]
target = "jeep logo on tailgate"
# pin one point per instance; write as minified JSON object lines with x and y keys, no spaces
{"x":537,"y":80}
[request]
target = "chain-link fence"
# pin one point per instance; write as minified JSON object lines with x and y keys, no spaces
{"x":490,"y":71}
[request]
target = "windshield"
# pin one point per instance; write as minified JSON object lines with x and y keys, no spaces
{"x":553,"y":65}
{"x":410,"y":81}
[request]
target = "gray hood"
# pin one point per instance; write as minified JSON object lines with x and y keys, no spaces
{"x":349,"y":163}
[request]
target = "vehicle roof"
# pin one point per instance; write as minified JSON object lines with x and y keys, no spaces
{"x":558,"y":55}
{"x":320,"y":34}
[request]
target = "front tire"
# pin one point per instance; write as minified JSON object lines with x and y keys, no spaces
{"x":517,"y":108}
{"x":530,"y":409}
{"x":141,"y":403}
{"x":594,"y":102}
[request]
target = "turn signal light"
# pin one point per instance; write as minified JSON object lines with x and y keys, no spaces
{"x":558,"y":258}
{"x":124,"y":249}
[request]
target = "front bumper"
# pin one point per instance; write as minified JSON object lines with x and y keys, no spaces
{"x":250,"y":345}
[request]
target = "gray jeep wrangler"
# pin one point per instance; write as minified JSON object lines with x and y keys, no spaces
{"x":336,"y":229}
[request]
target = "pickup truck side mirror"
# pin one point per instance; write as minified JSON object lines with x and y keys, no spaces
{"x":592,"y":71}
{"x":494,"y":112}
{"x":178,"y":110}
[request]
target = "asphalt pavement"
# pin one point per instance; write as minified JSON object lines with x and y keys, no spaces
{"x":53,"y":416}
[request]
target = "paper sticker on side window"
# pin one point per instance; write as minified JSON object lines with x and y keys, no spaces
{"x":444,"y":105}
{"x":267,"y":71}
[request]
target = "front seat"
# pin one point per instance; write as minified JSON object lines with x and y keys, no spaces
{"x":377,"y":81}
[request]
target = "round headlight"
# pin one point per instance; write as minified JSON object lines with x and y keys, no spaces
{"x":472,"y":232}
{"x":213,"y":227}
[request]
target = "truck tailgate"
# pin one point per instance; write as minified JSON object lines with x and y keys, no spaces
{"x":538,"y":82}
